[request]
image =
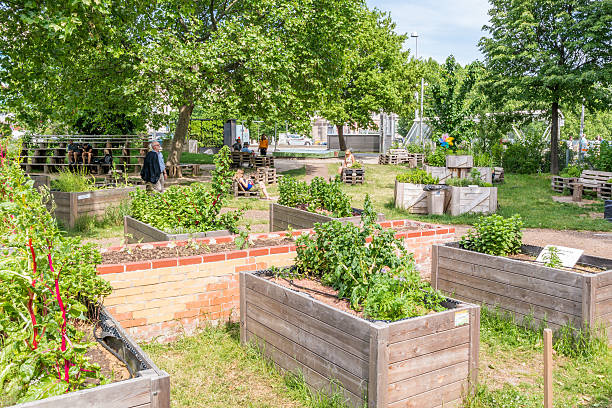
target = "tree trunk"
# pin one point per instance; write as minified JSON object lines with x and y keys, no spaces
{"x":341,"y":140}
{"x":554,"y":138}
{"x":178,"y":141}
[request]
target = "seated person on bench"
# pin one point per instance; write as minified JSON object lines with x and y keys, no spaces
{"x":245,"y":148}
{"x":88,"y":153}
{"x":247,"y":183}
{"x":237,"y":145}
{"x":107,"y":161}
{"x":73,"y":152}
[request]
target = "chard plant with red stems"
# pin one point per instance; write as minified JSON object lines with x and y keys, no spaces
{"x":47,"y":283}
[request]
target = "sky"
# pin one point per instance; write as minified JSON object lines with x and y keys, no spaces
{"x":444,"y":27}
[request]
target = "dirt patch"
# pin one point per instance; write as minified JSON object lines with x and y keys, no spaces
{"x":568,"y":200}
{"x":149,"y":252}
{"x":580,"y":268}
{"x":407,"y":228}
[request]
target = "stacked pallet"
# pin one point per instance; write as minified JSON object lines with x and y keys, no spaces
{"x":559,"y":183}
{"x":353,"y":176}
{"x":498,"y":174}
{"x":264,"y":161}
{"x":605,"y":191}
{"x":266,"y":175}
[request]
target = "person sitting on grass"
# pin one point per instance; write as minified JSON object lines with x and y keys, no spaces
{"x":247,"y":183}
{"x":348,"y":162}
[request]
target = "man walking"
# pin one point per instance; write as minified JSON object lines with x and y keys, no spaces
{"x":154,"y":168}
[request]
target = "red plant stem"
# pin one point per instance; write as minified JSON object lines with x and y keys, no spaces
{"x":31,"y":297}
{"x":216,"y":199}
{"x":63,"y":310}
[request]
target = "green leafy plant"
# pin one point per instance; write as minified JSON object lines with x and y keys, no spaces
{"x":208,"y":133}
{"x":483,"y":160}
{"x":474,"y":179}
{"x":318,"y":196}
{"x":74,"y":181}
{"x":417,"y":176}
{"x":356,"y":165}
{"x":552,"y":259}
{"x":572,"y":171}
{"x":379,"y":279}
{"x":495,"y":235}
{"x":437,"y":158}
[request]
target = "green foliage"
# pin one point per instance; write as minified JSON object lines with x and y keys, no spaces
{"x":519,"y":159}
{"x":380,"y":278}
{"x":552,"y":258}
{"x":48,"y":282}
{"x":208,"y":133}
{"x":74,"y":181}
{"x":417,"y":176}
{"x":193,"y":208}
{"x":584,"y":343}
{"x":437,"y":158}
{"x":356,"y":165}
{"x":572,"y":171}
{"x":495,"y":235}
{"x":414,"y":148}
{"x":474,"y":179}
{"x":601,"y":159}
{"x":483,"y":160}
{"x":320,"y":196}
{"x":107,"y":122}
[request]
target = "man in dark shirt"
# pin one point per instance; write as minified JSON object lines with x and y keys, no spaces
{"x":237,"y":146}
{"x":72,"y":149}
{"x":87,"y":153}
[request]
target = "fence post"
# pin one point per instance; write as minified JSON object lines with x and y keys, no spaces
{"x":548,"y":367}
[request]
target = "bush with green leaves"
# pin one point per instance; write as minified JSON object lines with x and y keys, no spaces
{"x":319,"y":196}
{"x":378,"y":278}
{"x":73,"y":181}
{"x":495,"y":235}
{"x":417,"y":176}
{"x":601,"y":159}
{"x":572,"y":171}
{"x":193,"y":208}
{"x":437,"y":158}
{"x":483,"y":160}
{"x":208,"y":133}
{"x":414,"y":148}
{"x":48,"y":283}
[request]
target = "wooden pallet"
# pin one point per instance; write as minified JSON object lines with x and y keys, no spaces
{"x":498,"y":174}
{"x":559,"y":184}
{"x":266,"y":175}
{"x":353,"y":176}
{"x":605,"y":191}
{"x":239,"y":192}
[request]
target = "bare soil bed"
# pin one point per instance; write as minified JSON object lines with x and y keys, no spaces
{"x":580,"y":268}
{"x":110,"y":366}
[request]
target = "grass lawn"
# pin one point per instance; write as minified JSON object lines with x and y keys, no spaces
{"x":527,"y":195}
{"x":193,"y":158}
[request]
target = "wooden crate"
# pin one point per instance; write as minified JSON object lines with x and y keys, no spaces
{"x":353,"y":176}
{"x":472,"y":199}
{"x":486,"y":174}
{"x":526,"y":289}
{"x":559,"y":184}
{"x":417,"y":158}
{"x":498,"y":174}
{"x":264,"y":161}
{"x":605,"y":191}
{"x":428,"y":361}
{"x":442,"y":173}
{"x":282,"y":218}
{"x":457,"y":162}
{"x":411,"y":197}
{"x":136,"y":231}
{"x":266,"y":175}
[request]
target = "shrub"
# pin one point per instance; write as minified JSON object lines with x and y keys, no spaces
{"x":414,"y":148}
{"x":601,"y":159}
{"x":495,"y":235}
{"x":438,"y":157}
{"x":73,"y":182}
{"x":520,"y":159}
{"x":319,"y":196}
{"x":417,"y":176}
{"x":483,"y":160}
{"x":572,"y":171}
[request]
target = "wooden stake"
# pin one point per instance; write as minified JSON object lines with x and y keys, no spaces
{"x":548,"y":368}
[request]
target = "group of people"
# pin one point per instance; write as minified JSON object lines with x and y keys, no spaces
{"x":244,"y":147}
{"x":84,"y":153}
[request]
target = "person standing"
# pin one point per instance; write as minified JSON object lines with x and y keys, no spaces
{"x":584,"y":146}
{"x":263,"y":145}
{"x":154,"y":168}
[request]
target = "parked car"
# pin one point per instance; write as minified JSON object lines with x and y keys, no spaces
{"x":297,"y":140}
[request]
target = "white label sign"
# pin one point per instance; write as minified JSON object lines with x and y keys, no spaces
{"x":568,"y":256}
{"x":462,"y":317}
{"x":83,"y":196}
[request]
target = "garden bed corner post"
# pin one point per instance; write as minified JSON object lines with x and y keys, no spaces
{"x":243,"y":329}
{"x":474,"y":348}
{"x":378,"y":383}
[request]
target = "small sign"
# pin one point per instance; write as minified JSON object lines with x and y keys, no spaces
{"x":462,"y":318}
{"x":83,"y":196}
{"x":567,"y":256}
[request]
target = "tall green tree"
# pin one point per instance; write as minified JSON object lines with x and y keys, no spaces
{"x":550,"y":53}
{"x":376,"y":75}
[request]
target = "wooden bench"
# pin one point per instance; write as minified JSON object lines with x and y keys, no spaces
{"x":193,"y":169}
{"x":592,"y":180}
{"x":240,"y":192}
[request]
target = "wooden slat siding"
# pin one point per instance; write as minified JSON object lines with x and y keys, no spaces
{"x":603,"y":293}
{"x":513,"y":291}
{"x":125,"y":394}
{"x":411,"y":197}
{"x":348,"y":342}
{"x":434,"y":267}
{"x":474,"y":346}
{"x":512,"y":304}
{"x":243,"y":321}
{"x":423,"y":325}
{"x":308,"y":358}
{"x":160,"y":391}
{"x":604,"y":279}
{"x":318,"y":310}
{"x":509,"y":277}
{"x":567,"y":278}
{"x":428,"y":381}
{"x":589,"y":286}
{"x":446,"y":396}
{"x":300,"y":335}
{"x":379,"y":363}
{"x":603,"y":307}
{"x":313,"y":379}
{"x":428,"y":344}
{"x":422,"y":364}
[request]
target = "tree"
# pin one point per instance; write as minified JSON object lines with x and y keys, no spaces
{"x":376,"y":75}
{"x":550,"y":52}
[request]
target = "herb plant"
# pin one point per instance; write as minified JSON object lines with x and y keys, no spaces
{"x":437,"y":158}
{"x":495,"y":235}
{"x":552,"y":258}
{"x":320,"y":196}
{"x":472,"y":180}
{"x":378,"y":278}
{"x":417,"y":176}
{"x":193,"y":208}
{"x":74,"y":181}
{"x":47,"y":283}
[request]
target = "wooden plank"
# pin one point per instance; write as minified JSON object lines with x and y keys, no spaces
{"x":306,"y":357}
{"x":343,"y":321}
{"x":604,"y":279}
{"x":427,"y":382}
{"x":243,"y":320}
{"x":331,"y":334}
{"x":379,"y":363}
{"x":492,"y":300}
{"x":423,"y":325}
{"x":413,"y":367}
{"x":568,"y":278}
{"x":445,"y":397}
{"x":603,"y":293}
{"x":160,"y":391}
{"x":428,"y":344}
{"x":588,"y":300}
{"x":474,"y":346}
{"x":312,"y":378}
{"x":603,"y":307}
{"x":532,"y":296}
{"x":326,"y":350}
{"x":124,"y":394}
{"x":434,"y":266}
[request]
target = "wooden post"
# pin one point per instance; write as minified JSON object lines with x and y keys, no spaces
{"x":548,"y":368}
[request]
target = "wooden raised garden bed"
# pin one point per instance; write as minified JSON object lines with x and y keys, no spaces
{"x":472,"y":199}
{"x":282,"y":218}
{"x":420,"y":362}
{"x":69,"y":207}
{"x":556,"y":295}
{"x":149,"y":387}
{"x":416,"y":200}
{"x":441,"y":173}
{"x":137,"y":231}
{"x":459,"y":162}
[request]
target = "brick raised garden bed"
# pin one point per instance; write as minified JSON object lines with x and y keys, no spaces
{"x":71,"y":206}
{"x":163,"y":297}
{"x":523,"y":288}
{"x":150,"y":386}
{"x":283,"y":218}
{"x":418,"y":362}
{"x":137,"y":231}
